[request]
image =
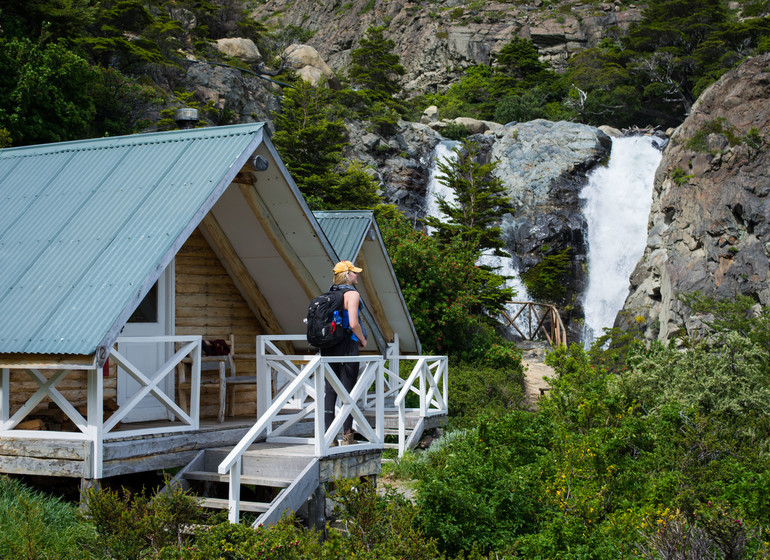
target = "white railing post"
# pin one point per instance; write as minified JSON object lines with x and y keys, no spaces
{"x":379,"y":423}
{"x":424,"y":372}
{"x":5,"y":400}
{"x":320,"y":411}
{"x":95,"y":419}
{"x":195,"y":387}
{"x":234,"y":493}
{"x":445,"y":368}
{"x":263,"y":377}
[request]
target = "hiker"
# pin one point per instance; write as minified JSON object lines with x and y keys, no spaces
{"x":345,"y":279}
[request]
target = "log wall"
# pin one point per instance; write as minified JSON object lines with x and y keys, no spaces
{"x":208,"y":303}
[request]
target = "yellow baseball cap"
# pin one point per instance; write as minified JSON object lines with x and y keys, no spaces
{"x":345,"y":266}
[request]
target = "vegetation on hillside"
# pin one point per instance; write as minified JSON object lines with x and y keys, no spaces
{"x":650,"y":75}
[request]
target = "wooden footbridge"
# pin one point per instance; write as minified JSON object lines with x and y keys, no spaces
{"x":532,"y":320}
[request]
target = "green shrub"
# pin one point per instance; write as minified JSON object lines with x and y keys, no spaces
{"x":680,"y":176}
{"x":36,"y":526}
{"x":717,"y":126}
{"x":454,"y":131}
{"x":477,"y":488}
{"x":546,"y":281}
{"x":476,"y":390}
{"x":283,"y":541}
{"x":380,"y":524}
{"x":129,"y":525}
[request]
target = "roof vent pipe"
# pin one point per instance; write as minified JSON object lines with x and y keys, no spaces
{"x":186,"y":117}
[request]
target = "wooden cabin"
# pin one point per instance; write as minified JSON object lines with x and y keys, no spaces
{"x":152,"y":300}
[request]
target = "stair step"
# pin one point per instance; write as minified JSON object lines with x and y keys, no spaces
{"x":255,"y":480}
{"x":224,"y":503}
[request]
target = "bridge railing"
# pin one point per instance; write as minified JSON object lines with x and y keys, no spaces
{"x":531,"y":319}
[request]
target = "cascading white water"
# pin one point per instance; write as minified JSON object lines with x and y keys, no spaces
{"x":443,"y":152}
{"x":617,"y":203}
{"x":502,"y":265}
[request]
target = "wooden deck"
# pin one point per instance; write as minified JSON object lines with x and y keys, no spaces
{"x":61,"y":456}
{"x":135,"y":454}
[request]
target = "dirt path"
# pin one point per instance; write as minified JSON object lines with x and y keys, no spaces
{"x":535,"y":371}
{"x":534,"y":382}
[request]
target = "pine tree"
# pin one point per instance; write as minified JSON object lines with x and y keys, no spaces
{"x":309,"y":138}
{"x":374,"y":65}
{"x":480,"y":199}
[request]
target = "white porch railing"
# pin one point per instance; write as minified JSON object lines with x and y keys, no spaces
{"x":150,"y":382}
{"x":93,"y":427}
{"x":300,"y":386}
{"x":429,"y":380}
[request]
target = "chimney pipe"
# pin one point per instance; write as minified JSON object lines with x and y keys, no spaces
{"x":186,"y":117}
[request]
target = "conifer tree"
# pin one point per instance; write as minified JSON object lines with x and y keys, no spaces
{"x":374,"y":65}
{"x":472,"y":221}
{"x":311,"y":139}
{"x":480,"y":199}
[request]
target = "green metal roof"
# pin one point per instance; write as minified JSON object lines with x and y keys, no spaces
{"x":345,"y":230}
{"x":87,"y":227}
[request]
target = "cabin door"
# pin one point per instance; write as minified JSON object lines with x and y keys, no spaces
{"x":153,"y":317}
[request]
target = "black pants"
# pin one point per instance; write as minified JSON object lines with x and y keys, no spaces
{"x":347,"y":372}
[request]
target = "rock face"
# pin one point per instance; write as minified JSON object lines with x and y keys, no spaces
{"x":437,"y":40}
{"x":236,"y":96}
{"x":709,"y":226}
{"x":401,"y":163}
{"x":544,"y":165}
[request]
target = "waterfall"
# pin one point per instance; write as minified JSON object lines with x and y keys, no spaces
{"x":502,"y":265}
{"x":443,"y":152}
{"x":617,"y":202}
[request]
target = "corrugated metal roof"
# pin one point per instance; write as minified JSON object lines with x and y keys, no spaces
{"x":86,"y":227}
{"x":345,"y":230}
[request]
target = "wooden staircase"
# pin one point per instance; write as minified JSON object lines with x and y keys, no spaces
{"x":415,"y":426}
{"x":279,"y":477}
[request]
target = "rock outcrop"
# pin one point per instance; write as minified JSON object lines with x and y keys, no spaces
{"x":436,"y":41}
{"x":309,"y":65}
{"x":709,"y":225}
{"x":231,"y":95}
{"x":544,"y":165}
{"x":400,"y":163}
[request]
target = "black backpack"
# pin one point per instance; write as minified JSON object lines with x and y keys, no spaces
{"x":322,"y":329}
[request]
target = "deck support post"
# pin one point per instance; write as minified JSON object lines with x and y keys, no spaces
{"x":85,"y":485}
{"x":316,"y":509}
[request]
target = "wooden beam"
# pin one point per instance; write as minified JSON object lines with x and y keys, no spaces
{"x":46,"y":361}
{"x":43,"y":467}
{"x":241,"y":277}
{"x":279,"y":241}
{"x":375,"y":304}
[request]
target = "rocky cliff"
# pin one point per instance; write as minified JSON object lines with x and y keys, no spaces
{"x":709,"y":226}
{"x":543,"y":166}
{"x":436,"y":40}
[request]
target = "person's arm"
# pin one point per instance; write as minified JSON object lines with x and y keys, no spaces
{"x":352,"y":299}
